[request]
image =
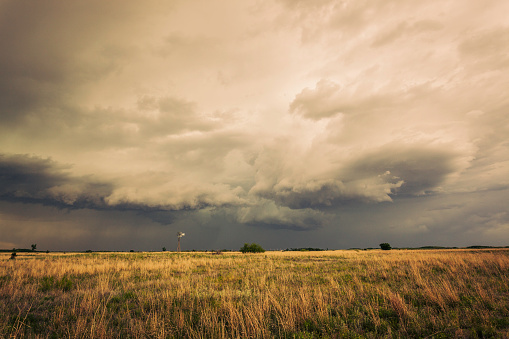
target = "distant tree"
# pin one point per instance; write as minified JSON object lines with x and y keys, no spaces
{"x":385,"y":246}
{"x":34,"y":246}
{"x":13,"y":255}
{"x":251,"y":248}
{"x":164,"y":249}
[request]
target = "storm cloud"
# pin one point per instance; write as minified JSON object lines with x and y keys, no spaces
{"x":290,"y":123}
{"x":35,"y":180}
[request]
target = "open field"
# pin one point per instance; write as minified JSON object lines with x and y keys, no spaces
{"x":398,"y":293}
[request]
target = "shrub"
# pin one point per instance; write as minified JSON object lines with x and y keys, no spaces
{"x":251,"y":248}
{"x":385,"y":246}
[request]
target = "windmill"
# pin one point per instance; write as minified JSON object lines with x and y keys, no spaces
{"x":179,"y":235}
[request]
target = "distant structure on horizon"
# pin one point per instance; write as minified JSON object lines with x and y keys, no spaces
{"x":179,"y":235}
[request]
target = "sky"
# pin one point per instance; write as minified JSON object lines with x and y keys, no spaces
{"x":289,"y":123}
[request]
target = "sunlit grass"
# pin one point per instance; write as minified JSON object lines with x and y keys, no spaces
{"x":398,"y":293}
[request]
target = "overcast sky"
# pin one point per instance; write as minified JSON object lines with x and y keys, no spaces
{"x":332,"y":124}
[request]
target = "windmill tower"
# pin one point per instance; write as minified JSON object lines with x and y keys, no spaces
{"x":179,"y":235}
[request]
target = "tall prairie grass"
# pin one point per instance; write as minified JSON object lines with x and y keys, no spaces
{"x":351,"y":294}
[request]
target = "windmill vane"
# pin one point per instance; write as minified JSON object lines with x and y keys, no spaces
{"x":179,"y":235}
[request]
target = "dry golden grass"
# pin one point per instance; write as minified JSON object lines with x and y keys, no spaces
{"x":398,"y":293}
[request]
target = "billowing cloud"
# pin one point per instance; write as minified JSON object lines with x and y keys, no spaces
{"x":31,"y":179}
{"x":418,"y":169}
{"x":254,"y":119}
{"x":267,"y":214}
{"x":329,"y":99}
{"x":376,"y":174}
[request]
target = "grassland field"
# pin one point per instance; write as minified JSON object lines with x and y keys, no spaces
{"x":338,"y":294}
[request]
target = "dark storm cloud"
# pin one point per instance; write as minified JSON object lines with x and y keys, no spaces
{"x":375,"y":177}
{"x":269,"y":215}
{"x":312,"y":194}
{"x":377,"y":174}
{"x":421,"y":168}
{"x":34,"y":180}
{"x":249,"y":119}
{"x":31,"y":179}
